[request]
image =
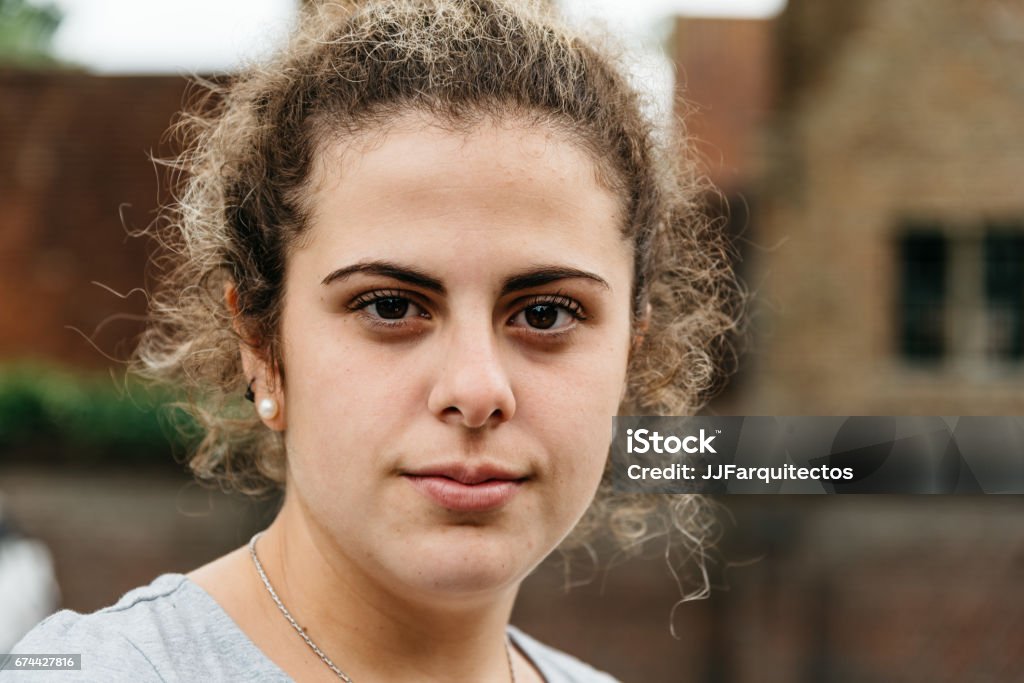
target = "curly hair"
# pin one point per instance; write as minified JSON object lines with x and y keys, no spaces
{"x":239,"y":209}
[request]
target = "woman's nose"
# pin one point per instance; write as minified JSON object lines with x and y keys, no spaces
{"x":473,"y":387}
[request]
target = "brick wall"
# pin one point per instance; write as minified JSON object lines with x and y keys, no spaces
{"x":913,"y":111}
{"x":75,"y":175}
{"x":727,"y":81}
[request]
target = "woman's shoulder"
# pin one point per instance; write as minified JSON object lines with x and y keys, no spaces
{"x":111,"y":642}
{"x":168,"y":630}
{"x":555,"y":665}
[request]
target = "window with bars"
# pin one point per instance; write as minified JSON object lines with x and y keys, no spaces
{"x":1004,"y":291}
{"x":961,"y":295}
{"x":923,"y":256}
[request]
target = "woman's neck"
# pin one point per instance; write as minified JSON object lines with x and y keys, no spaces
{"x":371,"y":627}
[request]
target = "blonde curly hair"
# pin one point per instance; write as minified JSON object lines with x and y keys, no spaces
{"x":238,"y":211}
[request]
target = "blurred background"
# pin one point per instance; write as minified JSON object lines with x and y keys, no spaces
{"x":871,"y":154}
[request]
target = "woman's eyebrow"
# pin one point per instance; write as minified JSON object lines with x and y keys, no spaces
{"x":388,"y":269}
{"x":534,"y":277}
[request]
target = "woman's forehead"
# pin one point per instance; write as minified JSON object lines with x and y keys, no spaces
{"x":417,"y":145}
{"x":466,"y":205}
{"x":493,"y":176}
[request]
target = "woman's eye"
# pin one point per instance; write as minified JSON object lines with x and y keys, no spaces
{"x":549,"y":315}
{"x":543,"y":316}
{"x":391,"y":308}
{"x":387,"y":307}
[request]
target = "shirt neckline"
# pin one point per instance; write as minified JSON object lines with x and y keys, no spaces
{"x":516,"y":637}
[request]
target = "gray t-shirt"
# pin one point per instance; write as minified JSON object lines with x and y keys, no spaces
{"x":172,"y":630}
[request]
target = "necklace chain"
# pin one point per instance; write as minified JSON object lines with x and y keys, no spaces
{"x":309,"y":641}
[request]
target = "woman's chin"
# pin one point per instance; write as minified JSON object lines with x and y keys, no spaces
{"x":462,"y":564}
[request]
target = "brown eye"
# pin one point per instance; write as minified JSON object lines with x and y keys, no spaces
{"x":549,"y":316}
{"x":541,"y":316}
{"x":391,"y":308}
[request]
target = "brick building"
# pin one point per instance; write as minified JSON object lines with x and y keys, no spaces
{"x":890,"y":273}
{"x":726,"y":86}
{"x":76,"y":176}
{"x":883,"y":247}
{"x":870,"y":153}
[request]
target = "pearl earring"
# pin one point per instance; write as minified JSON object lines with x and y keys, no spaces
{"x":267,"y":408}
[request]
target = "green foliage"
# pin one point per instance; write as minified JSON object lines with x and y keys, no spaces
{"x":26,"y":33}
{"x":57,"y":414}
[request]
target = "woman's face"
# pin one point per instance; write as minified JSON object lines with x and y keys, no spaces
{"x":456,"y":327}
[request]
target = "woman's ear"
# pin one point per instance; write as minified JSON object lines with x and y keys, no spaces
{"x":269,"y":402}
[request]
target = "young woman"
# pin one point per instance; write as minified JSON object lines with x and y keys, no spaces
{"x":438,"y":245}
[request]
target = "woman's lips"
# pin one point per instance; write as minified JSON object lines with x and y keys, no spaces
{"x":455,"y":495}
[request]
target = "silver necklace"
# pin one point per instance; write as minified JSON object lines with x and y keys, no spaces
{"x":309,"y":641}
